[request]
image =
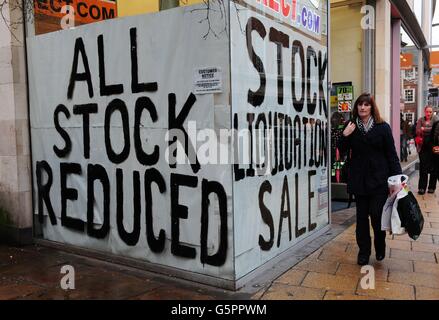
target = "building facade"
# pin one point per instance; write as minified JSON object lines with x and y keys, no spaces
{"x":379,"y":47}
{"x":285,"y":66}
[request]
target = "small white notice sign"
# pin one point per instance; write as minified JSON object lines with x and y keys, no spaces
{"x":208,"y":80}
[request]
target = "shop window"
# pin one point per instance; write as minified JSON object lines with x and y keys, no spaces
{"x":409,"y":95}
{"x":409,"y":117}
{"x":342,"y":95}
{"x":409,"y":74}
{"x":417,"y":9}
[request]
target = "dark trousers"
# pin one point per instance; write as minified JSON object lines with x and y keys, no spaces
{"x":404,"y":149}
{"x":370,"y":206}
{"x":423,"y":177}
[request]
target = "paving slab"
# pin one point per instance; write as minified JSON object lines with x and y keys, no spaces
{"x":280,"y":291}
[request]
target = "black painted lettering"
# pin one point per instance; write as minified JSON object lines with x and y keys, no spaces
{"x":153,"y":175}
{"x":311,"y":226}
{"x":219,"y":258}
{"x":117,"y":105}
{"x":135,"y":85}
{"x":239,"y":173}
{"x":298,"y":48}
{"x":144,"y":103}
{"x":284,"y":213}
{"x":250,"y":119}
{"x":323,"y":65}
{"x":44,"y":191}
{"x":305,"y":122}
{"x":281,"y":141}
{"x":106,"y":90}
{"x":318,"y":138}
{"x":176,"y":122}
{"x":85,"y":110}
{"x":74,"y":75}
{"x":325,"y":144}
{"x":178,"y":212}
{"x":275,"y":131}
{"x":98,"y":172}
{"x":130,"y":238}
{"x":297,"y":142}
{"x":61,"y":153}
{"x":312,"y":151}
{"x":261,"y":154}
{"x":300,"y":231}
{"x":289,"y":144}
{"x":281,"y":40}
{"x":256,"y":98}
{"x":67,"y":169}
{"x":266,"y":217}
{"x":310,"y":103}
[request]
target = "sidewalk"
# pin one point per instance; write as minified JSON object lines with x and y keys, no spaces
{"x":410,"y":270}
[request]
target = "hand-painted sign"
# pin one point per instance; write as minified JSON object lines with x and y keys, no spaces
{"x":279,"y":86}
{"x":104,"y":105}
{"x":110,"y":101}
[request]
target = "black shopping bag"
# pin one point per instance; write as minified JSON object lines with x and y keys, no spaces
{"x":410,"y":215}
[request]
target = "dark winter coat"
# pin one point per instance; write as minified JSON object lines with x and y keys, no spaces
{"x":373,"y":159}
{"x":435,"y":134}
{"x":435,"y":142}
{"x":425,"y":153}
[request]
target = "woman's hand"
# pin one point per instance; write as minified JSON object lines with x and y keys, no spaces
{"x":349,"y":129}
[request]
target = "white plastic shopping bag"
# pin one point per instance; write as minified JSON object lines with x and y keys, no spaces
{"x":390,"y":219}
{"x":395,"y":220}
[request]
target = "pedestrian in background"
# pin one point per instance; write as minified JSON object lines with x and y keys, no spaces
{"x":435,"y":148}
{"x":373,"y":161}
{"x":424,"y":145}
{"x":411,"y":135}
{"x":404,"y":136}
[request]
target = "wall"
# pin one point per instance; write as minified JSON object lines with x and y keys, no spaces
{"x":383,"y":70}
{"x":135,"y":7}
{"x":15,"y":186}
{"x":346,"y":46}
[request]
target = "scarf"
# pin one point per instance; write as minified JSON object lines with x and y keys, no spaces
{"x":365,"y":128}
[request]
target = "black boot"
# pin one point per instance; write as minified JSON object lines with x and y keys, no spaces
{"x":362,"y":260}
{"x":380,"y":255}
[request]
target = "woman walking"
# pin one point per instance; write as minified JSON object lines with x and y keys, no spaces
{"x":435,"y":148}
{"x":424,"y":146}
{"x":373,"y":161}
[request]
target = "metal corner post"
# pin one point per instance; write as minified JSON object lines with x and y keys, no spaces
{"x":396,"y":82}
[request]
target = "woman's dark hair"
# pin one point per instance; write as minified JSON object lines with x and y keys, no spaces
{"x":368,"y":98}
